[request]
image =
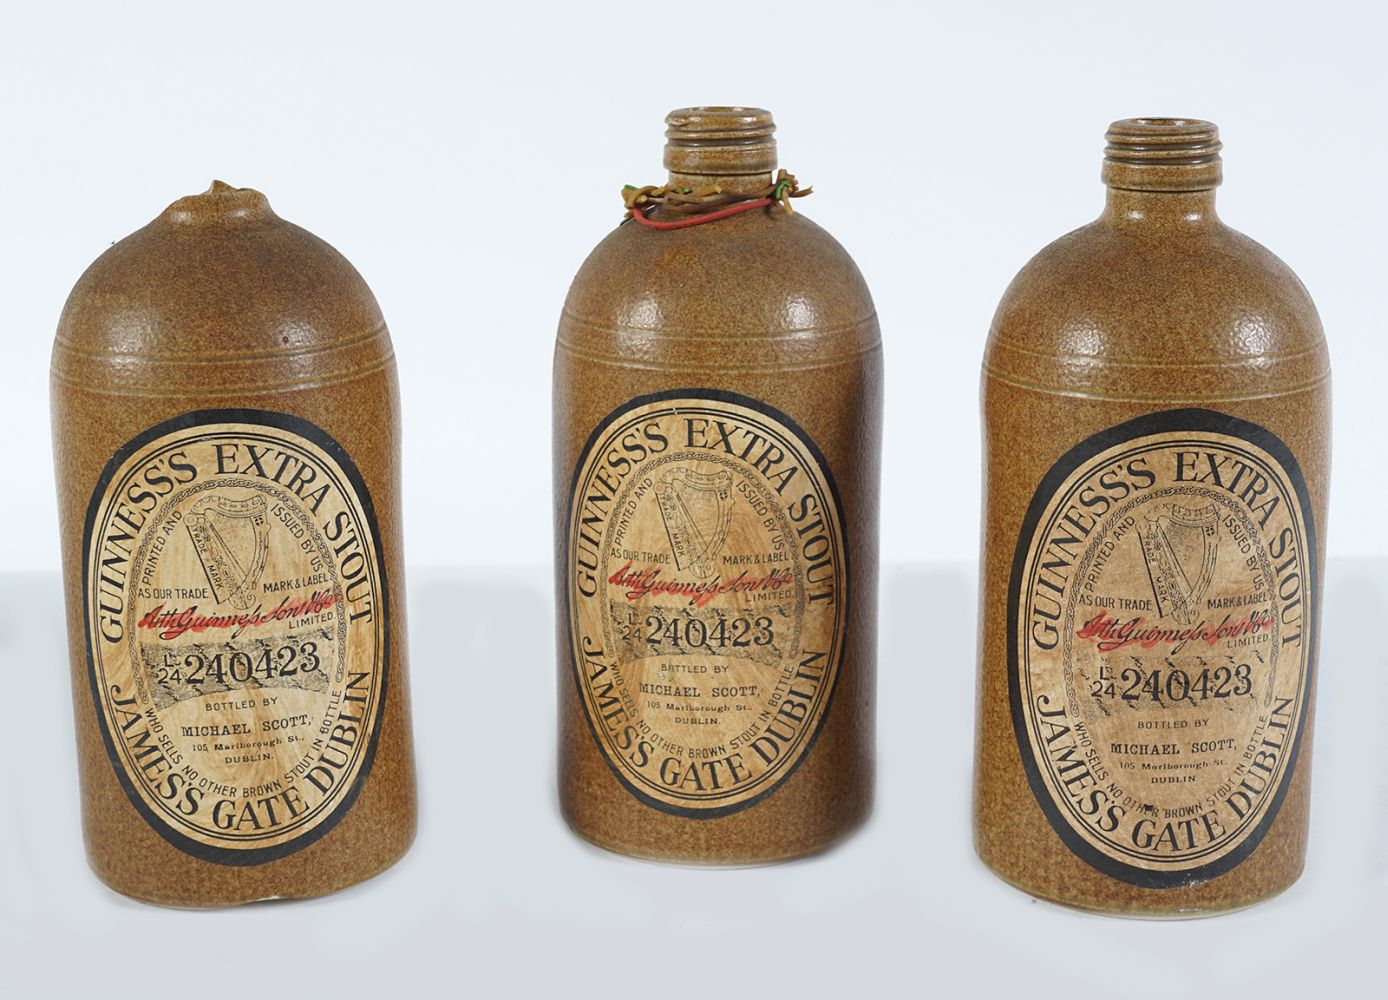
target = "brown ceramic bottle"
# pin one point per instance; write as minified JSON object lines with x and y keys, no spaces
{"x":717,"y":409}
{"x":1156,"y":401}
{"x":225,"y":428}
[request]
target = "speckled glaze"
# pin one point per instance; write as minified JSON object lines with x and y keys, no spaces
{"x":767,"y":305}
{"x":219,"y":303}
{"x":1156,"y":305}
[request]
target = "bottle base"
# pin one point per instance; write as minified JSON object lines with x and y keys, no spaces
{"x":1139,"y":909}
{"x":216,"y":901}
{"x":718,"y":860}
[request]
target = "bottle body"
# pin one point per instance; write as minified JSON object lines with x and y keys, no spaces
{"x":716,"y":425}
{"x":225,"y":421}
{"x":1156,"y":405}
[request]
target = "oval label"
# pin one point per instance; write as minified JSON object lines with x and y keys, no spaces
{"x":237,"y":630}
{"x":707,"y":594}
{"x":1161,"y":642}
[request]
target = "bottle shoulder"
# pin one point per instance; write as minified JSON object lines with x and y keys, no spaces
{"x":1190,"y":314}
{"x":758,"y":282}
{"x":169,"y":307}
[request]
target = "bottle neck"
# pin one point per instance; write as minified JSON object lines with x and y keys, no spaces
{"x":731,"y":147}
{"x":727,"y":183}
{"x":1190,"y":210}
{"x":1162,"y":173}
{"x":221,"y":205}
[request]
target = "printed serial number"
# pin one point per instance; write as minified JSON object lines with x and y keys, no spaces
{"x":695,"y":633}
{"x":1175,"y":684}
{"x":238,"y":666}
{"x":296,"y":661}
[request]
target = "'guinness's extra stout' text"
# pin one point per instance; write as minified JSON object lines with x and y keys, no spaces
{"x":716,"y":457}
{"x":1152,"y":551}
{"x":226,"y":441}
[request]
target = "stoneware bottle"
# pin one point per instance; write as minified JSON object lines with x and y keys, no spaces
{"x":717,"y":409}
{"x":226,"y":436}
{"x":1156,"y":402}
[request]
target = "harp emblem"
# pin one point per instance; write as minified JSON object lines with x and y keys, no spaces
{"x":231,"y":538}
{"x":1179,"y":547}
{"x":697,"y":508}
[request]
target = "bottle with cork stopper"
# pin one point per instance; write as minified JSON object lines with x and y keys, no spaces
{"x":717,"y":423}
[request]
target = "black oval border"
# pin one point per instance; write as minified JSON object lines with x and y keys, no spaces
{"x":232,"y":856}
{"x":1189,"y":419}
{"x":737,"y":399}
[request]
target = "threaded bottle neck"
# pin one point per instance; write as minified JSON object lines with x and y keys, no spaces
{"x":732,"y":147}
{"x":1162,"y":155}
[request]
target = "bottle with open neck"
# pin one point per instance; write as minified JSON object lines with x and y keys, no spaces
{"x":1156,"y":406}
{"x":717,"y":416}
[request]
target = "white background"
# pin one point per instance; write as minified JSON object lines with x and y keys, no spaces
{"x":466,"y":157}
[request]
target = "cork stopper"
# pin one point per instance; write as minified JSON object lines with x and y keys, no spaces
{"x":1162,"y":154}
{"x":220,"y":204}
{"x":719,"y":142}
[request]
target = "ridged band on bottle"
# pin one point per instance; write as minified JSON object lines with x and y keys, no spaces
{"x":1162,"y":154}
{"x":718,"y":141}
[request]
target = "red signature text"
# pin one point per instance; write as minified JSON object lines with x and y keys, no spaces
{"x":174,"y":622}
